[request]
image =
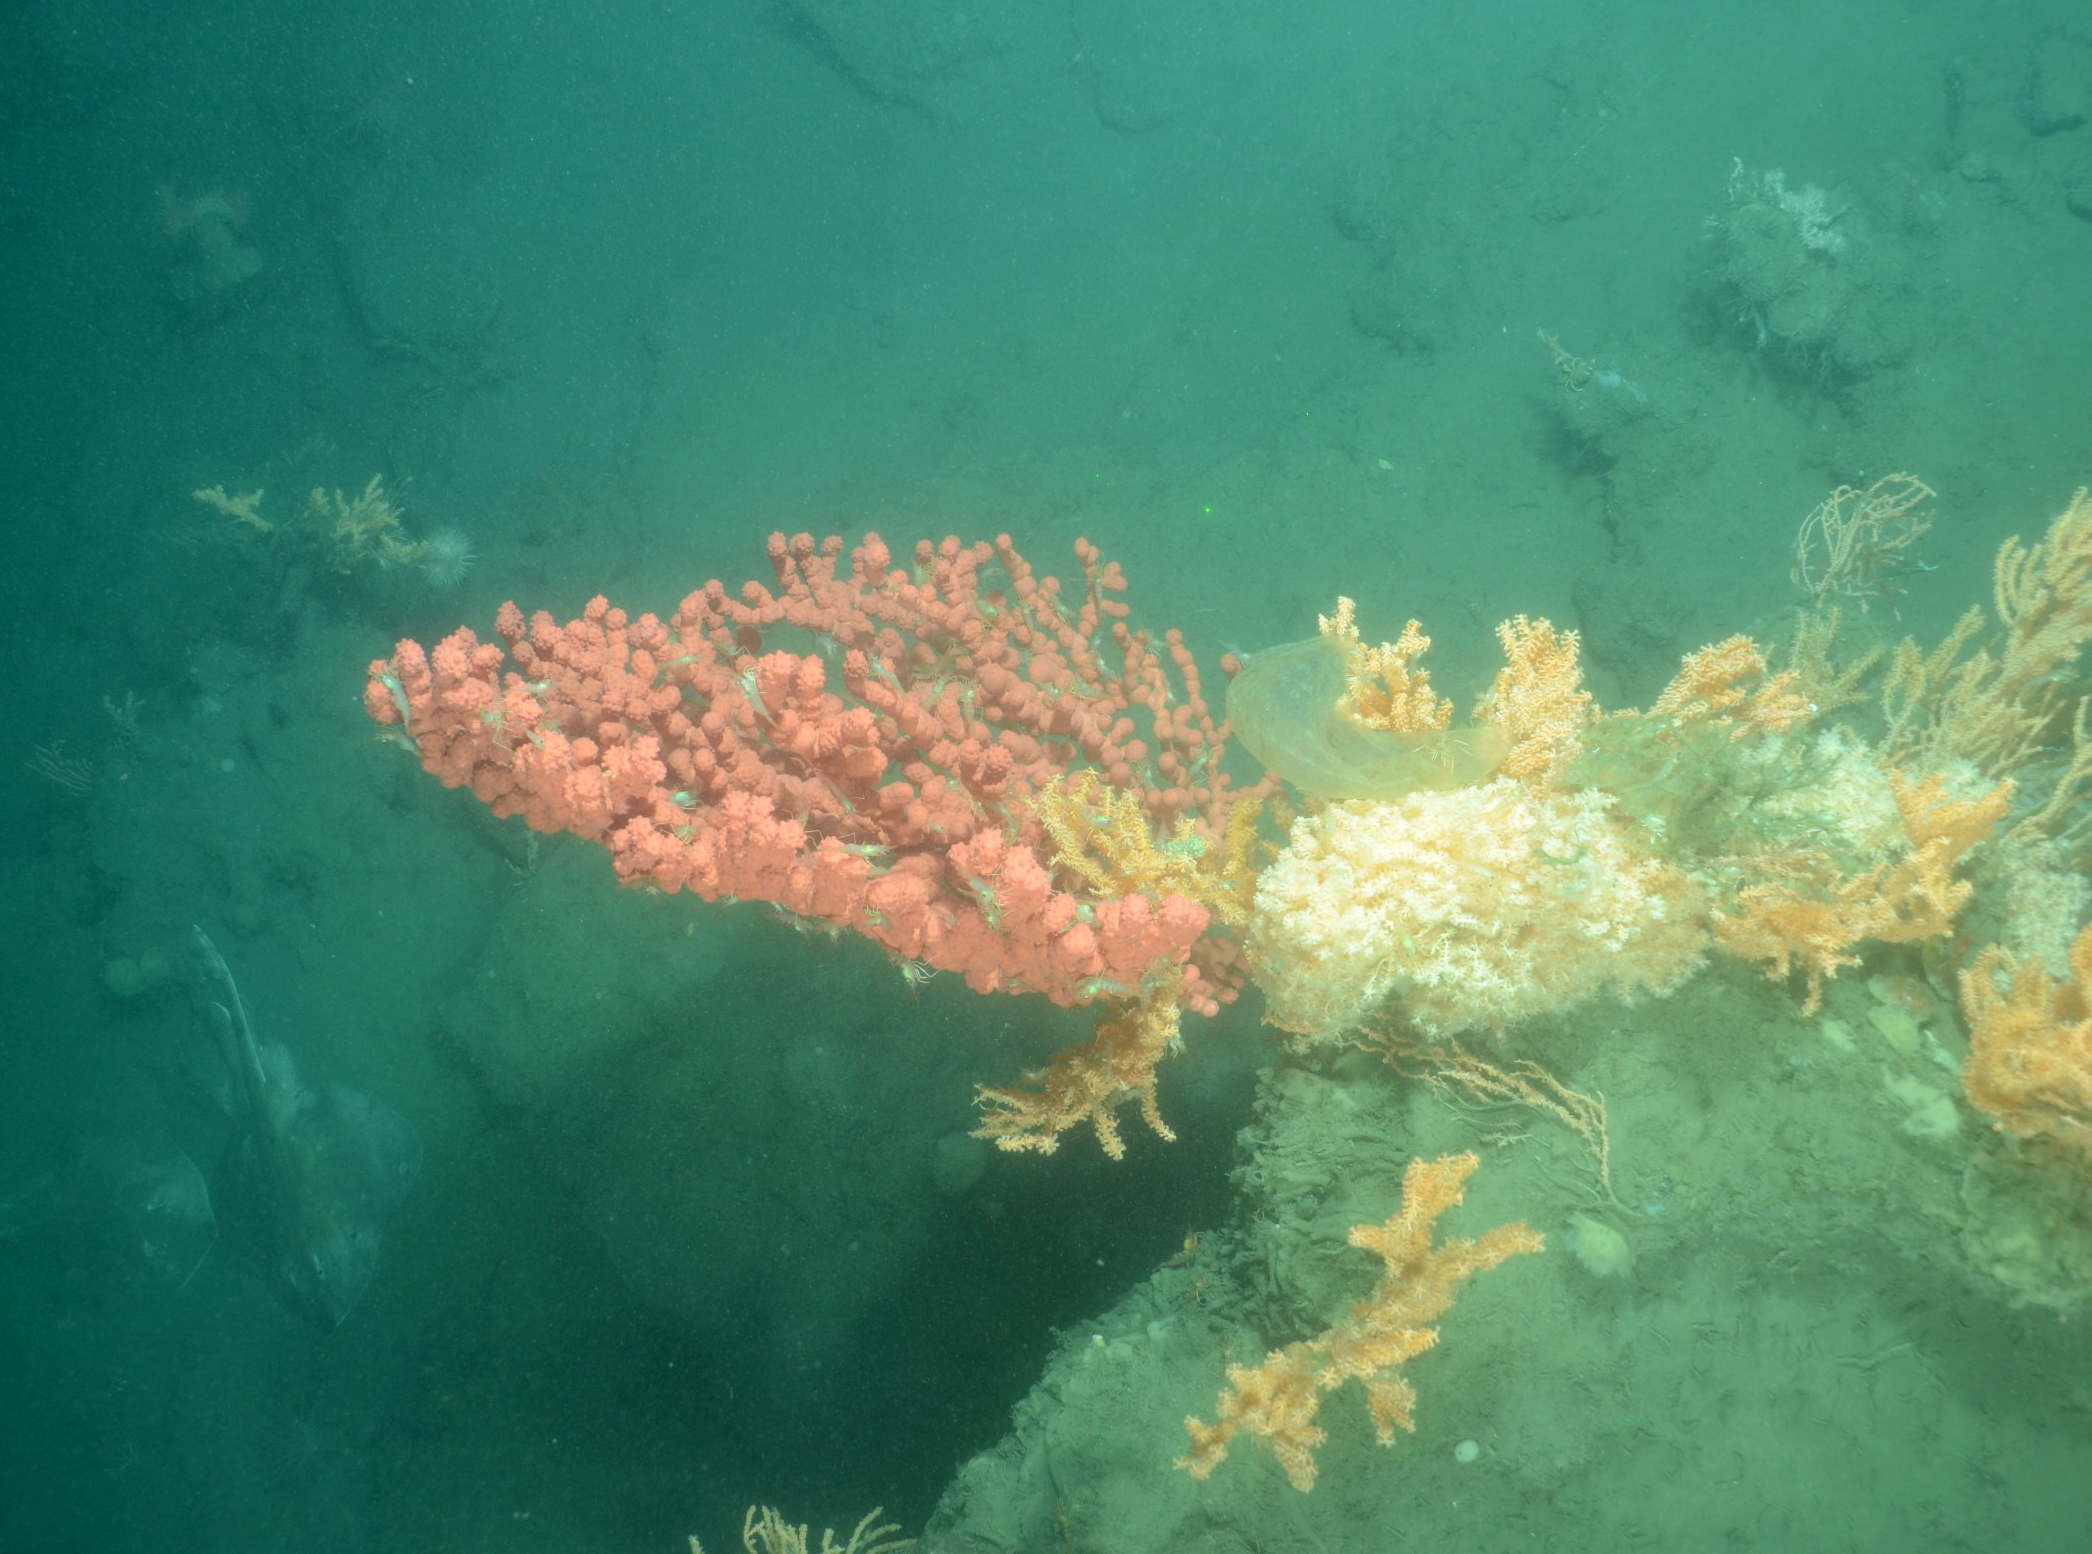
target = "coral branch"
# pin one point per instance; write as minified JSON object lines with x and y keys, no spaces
{"x":1088,"y":1082}
{"x":1384,"y":687}
{"x":1278,"y":1400}
{"x":2029,"y":1066}
{"x":2005,"y":705}
{"x":1538,"y":698}
{"x":1815,"y":918}
{"x":1710,"y":684}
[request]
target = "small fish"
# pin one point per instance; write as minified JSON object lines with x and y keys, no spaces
{"x":327,"y":1167}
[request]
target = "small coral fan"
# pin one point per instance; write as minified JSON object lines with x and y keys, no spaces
{"x":446,"y":557}
{"x":1478,"y":907}
{"x":208,"y":226}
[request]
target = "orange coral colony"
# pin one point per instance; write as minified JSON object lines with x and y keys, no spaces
{"x":1277,"y":1401}
{"x":2029,"y":1066}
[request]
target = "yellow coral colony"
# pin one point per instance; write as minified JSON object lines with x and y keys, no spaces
{"x":1278,"y":1400}
{"x":351,"y":531}
{"x":1384,"y":690}
{"x":1089,"y":1081}
{"x":2005,"y":709}
{"x":1800,"y":909}
{"x":1710,"y":683}
{"x":1538,"y":698}
{"x":2029,"y":1066}
{"x":1102,"y":837}
{"x":362,"y":528}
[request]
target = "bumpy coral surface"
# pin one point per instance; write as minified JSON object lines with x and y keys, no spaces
{"x":1475,"y":908}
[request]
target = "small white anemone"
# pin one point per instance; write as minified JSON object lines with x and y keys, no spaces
{"x":446,"y":558}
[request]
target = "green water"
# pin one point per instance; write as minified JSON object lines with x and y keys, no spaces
{"x":1252,"y":298}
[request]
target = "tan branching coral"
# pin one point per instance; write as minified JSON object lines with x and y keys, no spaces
{"x":362,"y":528}
{"x":1823,"y":678}
{"x":1538,"y":699}
{"x":1799,"y":910}
{"x":243,"y":509}
{"x":1711,"y":683}
{"x":2005,"y":706}
{"x":349,"y":530}
{"x":2029,"y":1065}
{"x":1922,"y":888}
{"x":1276,"y":1402}
{"x":1088,"y":1082}
{"x":1103,"y":837}
{"x":2044,"y":593}
{"x":1385,"y":689}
